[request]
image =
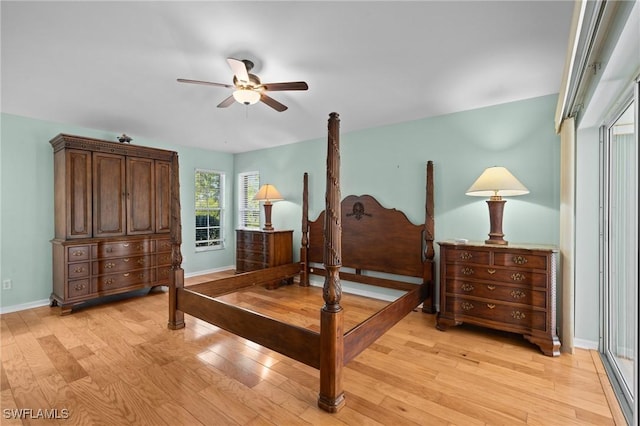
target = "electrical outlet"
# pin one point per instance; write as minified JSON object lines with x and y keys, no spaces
{"x":6,"y":284}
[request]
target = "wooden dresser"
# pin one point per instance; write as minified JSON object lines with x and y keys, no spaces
{"x":257,"y":249}
{"x":116,"y":218}
{"x":510,"y":288}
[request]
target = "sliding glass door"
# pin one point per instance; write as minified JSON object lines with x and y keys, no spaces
{"x":620,"y":253}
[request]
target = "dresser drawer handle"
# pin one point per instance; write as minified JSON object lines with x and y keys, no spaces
{"x":491,"y":287}
{"x":78,"y":253}
{"x":467,"y":271}
{"x":125,"y":244}
{"x":466,"y":306}
{"x":491,"y":271}
{"x":518,"y":276}
{"x":140,"y":261}
{"x":467,"y":287}
{"x":79,"y":287}
{"x":79,"y":269}
{"x":126,"y":259}
{"x":109,"y":281}
{"x":491,"y":306}
{"x":519,"y":260}
{"x":109,"y":265}
{"x":518,"y":315}
{"x":518,"y":294}
{"x":109,"y":249}
{"x":126,"y":275}
{"x":465,"y":255}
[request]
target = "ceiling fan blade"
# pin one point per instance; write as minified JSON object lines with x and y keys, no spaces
{"x":293,"y":85}
{"x":227,"y":102}
{"x":239,"y":70}
{"x":272,"y":103}
{"x":206,"y":83}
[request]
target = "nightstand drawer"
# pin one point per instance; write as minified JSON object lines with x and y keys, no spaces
{"x":468,"y":256}
{"x":528,"y":261}
{"x":518,"y":317}
{"x":512,"y":276}
{"x":492,"y":291}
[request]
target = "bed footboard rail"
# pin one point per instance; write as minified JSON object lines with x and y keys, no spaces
{"x":295,"y":342}
{"x":364,"y":334}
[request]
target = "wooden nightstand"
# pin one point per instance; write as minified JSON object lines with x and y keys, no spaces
{"x":257,"y":249}
{"x":510,"y":288}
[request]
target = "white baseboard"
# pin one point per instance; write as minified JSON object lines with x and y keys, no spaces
{"x":24,"y":306}
{"x":585,"y":344}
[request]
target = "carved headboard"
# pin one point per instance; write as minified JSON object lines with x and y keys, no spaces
{"x":374,"y":238}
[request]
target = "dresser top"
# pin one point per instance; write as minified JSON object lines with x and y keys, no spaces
{"x":510,"y":246}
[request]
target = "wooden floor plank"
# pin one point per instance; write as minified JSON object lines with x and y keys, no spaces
{"x":118,"y":363}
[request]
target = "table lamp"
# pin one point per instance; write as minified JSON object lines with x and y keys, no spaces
{"x":268,"y":193}
{"x":496,"y":182}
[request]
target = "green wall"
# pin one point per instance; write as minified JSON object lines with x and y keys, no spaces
{"x":27,"y":204}
{"x":387,"y":162}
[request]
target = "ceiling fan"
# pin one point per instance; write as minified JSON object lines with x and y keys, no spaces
{"x":248,"y":89}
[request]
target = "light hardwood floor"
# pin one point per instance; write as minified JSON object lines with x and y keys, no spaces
{"x":118,"y":364}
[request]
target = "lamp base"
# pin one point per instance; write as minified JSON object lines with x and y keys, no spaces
{"x":267,"y":217}
{"x":496,"y":208}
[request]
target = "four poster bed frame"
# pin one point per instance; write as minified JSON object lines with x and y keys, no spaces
{"x":358,"y":235}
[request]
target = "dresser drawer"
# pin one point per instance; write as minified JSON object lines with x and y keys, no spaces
{"x":78,"y":270}
{"x":77,"y":253}
{"x":243,"y":265}
{"x":123,"y":248}
{"x":468,"y":256}
{"x":164,"y":272}
{"x":109,"y":266}
{"x":163,"y":259}
{"x":253,"y":256}
{"x":163,"y":245}
{"x":249,"y":237}
{"x":515,"y":317}
{"x":462,"y":271}
{"x":252,"y":246}
{"x":77,"y":288}
{"x":126,"y":279}
{"x":529,"y":261}
{"x":492,"y":291}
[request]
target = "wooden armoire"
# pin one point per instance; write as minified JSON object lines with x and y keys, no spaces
{"x":117,"y":219}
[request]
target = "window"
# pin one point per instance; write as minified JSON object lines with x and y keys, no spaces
{"x":209,"y":210}
{"x":248,"y":209}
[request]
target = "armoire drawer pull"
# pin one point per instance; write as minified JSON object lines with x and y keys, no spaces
{"x":79,"y":269}
{"x":491,"y":287}
{"x":491,"y":306}
{"x":467,"y":271}
{"x":518,"y":277}
{"x":491,"y":271}
{"x":467,"y":287}
{"x":519,"y":260}
{"x":518,"y":294}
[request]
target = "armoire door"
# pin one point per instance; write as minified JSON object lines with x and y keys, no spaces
{"x":77,"y":193}
{"x":140,"y":196}
{"x":108,"y":195}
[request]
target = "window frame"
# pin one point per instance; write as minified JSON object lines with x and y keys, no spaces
{"x":216,"y":243}
{"x":243,"y":201}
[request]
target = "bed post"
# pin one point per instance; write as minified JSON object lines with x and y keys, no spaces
{"x":304,"y":249}
{"x":428,"y":305}
{"x":331,"y":396}
{"x":176,"y":277}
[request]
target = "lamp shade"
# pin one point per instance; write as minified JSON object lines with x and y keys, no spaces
{"x":246,"y":96}
{"x":268,"y":192}
{"x":495,"y":182}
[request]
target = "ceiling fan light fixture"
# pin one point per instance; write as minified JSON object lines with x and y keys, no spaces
{"x":246,"y":96}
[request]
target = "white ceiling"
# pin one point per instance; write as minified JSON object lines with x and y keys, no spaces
{"x":113,"y":65}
